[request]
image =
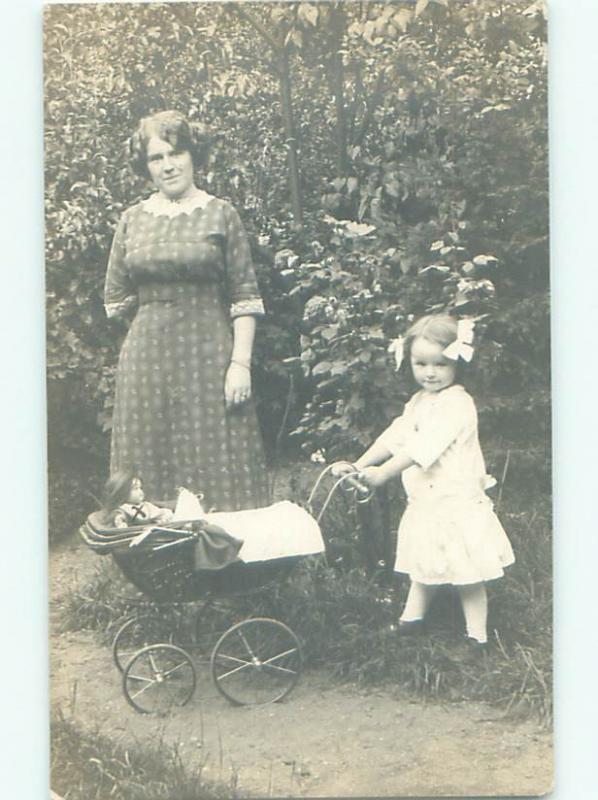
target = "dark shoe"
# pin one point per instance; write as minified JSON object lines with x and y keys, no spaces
{"x":476,"y":649}
{"x":409,"y":627}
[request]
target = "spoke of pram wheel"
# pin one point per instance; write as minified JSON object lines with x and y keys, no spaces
{"x":269,"y":662}
{"x":143,"y":689}
{"x":150,"y":656}
{"x":227,"y":657}
{"x":174,"y":669}
{"x":164,"y":687}
{"x":246,"y":643}
{"x":141,"y":678}
{"x":234,"y":671}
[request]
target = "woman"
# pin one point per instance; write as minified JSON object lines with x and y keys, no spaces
{"x":182,"y":412}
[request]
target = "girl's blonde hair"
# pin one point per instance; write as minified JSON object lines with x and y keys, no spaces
{"x":441,"y":329}
{"x":438,"y":328}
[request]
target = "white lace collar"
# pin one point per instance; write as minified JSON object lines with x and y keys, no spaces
{"x":161,"y":206}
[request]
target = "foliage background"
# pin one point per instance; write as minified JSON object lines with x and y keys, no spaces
{"x":387,"y":159}
{"x":442,"y":154}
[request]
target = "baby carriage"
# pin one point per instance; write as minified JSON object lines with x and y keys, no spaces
{"x":253,"y":660}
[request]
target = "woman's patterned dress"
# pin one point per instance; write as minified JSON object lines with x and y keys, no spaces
{"x":186,"y":268}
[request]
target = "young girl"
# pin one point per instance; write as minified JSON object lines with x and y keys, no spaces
{"x":449,"y":533}
{"x":125,"y":504}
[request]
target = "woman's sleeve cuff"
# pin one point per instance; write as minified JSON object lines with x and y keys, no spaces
{"x":120,"y":308}
{"x":252,"y":307}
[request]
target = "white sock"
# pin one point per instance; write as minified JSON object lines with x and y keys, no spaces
{"x":418,"y":600}
{"x":474,"y":600}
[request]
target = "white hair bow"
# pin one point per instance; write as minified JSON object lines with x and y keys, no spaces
{"x":461,"y":347}
{"x":397,"y":346}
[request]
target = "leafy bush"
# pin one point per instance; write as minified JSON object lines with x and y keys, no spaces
{"x":438,"y":146}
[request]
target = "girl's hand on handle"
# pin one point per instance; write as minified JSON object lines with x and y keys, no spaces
{"x":237,"y":385}
{"x":372,"y":477}
{"x":341,"y":468}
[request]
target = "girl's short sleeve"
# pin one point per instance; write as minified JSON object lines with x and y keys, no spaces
{"x":393,"y":438}
{"x":243,"y":293}
{"x":119,"y":293}
{"x":452,"y":416}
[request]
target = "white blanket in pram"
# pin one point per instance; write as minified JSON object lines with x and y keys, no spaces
{"x":280,"y":530}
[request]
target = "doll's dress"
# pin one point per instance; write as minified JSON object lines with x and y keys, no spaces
{"x":129,"y":514}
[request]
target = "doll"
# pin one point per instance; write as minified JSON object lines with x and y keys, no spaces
{"x":125,"y":504}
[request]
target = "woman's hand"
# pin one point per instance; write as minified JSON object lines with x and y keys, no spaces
{"x":237,"y":385}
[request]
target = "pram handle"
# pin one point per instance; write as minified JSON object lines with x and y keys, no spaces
{"x":362,"y":489}
{"x":363,"y":493}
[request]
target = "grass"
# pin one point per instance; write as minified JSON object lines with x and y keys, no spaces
{"x":340,"y":610}
{"x":106,"y":601}
{"x":90,"y":766}
{"x":342,"y":619}
{"x":97,"y":605}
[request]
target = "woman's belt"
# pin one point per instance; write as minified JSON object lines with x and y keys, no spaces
{"x":171,"y":292}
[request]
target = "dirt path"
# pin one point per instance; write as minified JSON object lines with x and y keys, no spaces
{"x":325,"y":740}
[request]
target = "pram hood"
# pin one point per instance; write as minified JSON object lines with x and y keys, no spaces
{"x":213,"y":547}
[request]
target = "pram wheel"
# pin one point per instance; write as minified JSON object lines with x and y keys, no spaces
{"x":158,"y":678}
{"x":138,"y":632}
{"x":257,"y":661}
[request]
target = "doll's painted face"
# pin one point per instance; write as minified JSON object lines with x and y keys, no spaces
{"x":432,"y":370}
{"x":136,"y":495}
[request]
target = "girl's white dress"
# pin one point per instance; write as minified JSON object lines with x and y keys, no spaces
{"x":449,"y":532}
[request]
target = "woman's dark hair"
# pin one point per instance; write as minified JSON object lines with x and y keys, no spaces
{"x":174,"y":128}
{"x":117,"y":489}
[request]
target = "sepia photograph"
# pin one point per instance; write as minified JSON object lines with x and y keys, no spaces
{"x":298,"y":353}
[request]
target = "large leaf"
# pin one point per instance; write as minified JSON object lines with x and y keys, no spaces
{"x":421,"y":6}
{"x":321,"y":368}
{"x":402,"y":18}
{"x":309,"y":13}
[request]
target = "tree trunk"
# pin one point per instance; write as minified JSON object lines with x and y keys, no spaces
{"x":337,"y":79}
{"x":282,"y":65}
{"x":291,"y":139}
